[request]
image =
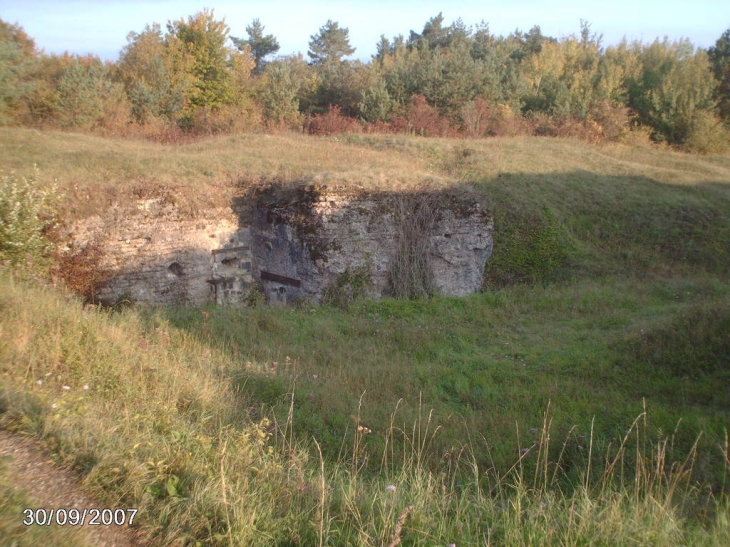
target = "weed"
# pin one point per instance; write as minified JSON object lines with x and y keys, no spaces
{"x":410,"y":274}
{"x":350,"y":286}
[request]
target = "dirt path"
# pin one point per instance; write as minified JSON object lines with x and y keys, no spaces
{"x":50,"y":486}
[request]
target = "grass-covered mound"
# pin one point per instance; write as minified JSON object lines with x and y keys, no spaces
{"x":581,"y":398}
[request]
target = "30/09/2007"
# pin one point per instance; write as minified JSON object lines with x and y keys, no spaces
{"x":79,"y":517}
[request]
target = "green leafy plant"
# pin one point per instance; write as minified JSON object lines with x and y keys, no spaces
{"x":26,"y":216}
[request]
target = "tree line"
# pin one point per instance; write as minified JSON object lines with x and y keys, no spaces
{"x":193,"y":77}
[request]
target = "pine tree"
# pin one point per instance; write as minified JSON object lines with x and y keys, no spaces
{"x":330,"y":45}
{"x":719,"y":56}
{"x":84,"y":91}
{"x":260,"y":45}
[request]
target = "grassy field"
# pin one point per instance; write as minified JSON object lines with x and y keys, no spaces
{"x":582,"y":398}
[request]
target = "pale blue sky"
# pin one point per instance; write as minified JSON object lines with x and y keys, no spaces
{"x":101,"y":27}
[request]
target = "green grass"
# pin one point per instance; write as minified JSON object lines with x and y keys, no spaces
{"x":490,"y":363}
{"x":583,"y":398}
{"x":177,"y":423}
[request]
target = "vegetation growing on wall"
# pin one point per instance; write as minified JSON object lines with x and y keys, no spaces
{"x":410,"y":274}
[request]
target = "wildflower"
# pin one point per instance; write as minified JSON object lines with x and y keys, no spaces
{"x":39,"y":382}
{"x":391,"y":487}
{"x":66,"y":388}
{"x":86,"y":387}
{"x":54,"y":405}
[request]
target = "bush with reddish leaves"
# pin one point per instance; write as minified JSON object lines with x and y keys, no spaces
{"x":82,"y":269}
{"x":475,"y":118}
{"x":332,"y":122}
{"x":604,"y":123}
{"x":502,"y":121}
{"x":424,"y":120}
{"x":379,"y":128}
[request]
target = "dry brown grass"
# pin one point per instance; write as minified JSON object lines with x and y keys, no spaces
{"x":95,"y":173}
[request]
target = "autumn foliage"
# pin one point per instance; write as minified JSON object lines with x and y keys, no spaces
{"x":193,"y":79}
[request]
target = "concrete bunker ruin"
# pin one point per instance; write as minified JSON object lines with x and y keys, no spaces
{"x":304,"y":243}
{"x":313,"y":243}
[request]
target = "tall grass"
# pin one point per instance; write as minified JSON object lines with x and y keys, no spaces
{"x":581,"y":399}
{"x":163,"y":427}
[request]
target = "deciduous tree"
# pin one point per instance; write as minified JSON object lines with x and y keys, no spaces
{"x":17,"y":61}
{"x":674,"y":86}
{"x":198,"y":48}
{"x":145,"y":68}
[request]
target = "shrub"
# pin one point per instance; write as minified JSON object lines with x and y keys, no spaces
{"x":26,"y":215}
{"x":504,"y":122}
{"x":81,"y":269}
{"x":475,"y":118}
{"x":350,"y":286}
{"x":614,"y":121}
{"x":425,"y":120}
{"x":333,"y":122}
{"x":707,"y":135}
{"x":228,"y":119}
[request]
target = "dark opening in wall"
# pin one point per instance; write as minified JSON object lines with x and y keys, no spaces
{"x":176,"y":269}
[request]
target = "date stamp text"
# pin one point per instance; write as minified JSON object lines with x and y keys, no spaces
{"x":79,"y":517}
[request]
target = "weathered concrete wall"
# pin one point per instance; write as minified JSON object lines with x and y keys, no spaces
{"x":310,"y":243}
{"x":292,"y":244}
{"x":155,"y":255}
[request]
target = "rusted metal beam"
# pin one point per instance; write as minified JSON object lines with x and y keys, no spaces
{"x":268,"y":276}
{"x":230,"y":250}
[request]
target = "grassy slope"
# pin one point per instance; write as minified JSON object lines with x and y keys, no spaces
{"x":607,"y":294}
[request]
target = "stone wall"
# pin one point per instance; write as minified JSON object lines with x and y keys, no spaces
{"x":301,"y":243}
{"x":317,"y":239}
{"x":156,"y":255}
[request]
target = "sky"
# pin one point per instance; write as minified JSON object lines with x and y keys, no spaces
{"x":101,"y":26}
